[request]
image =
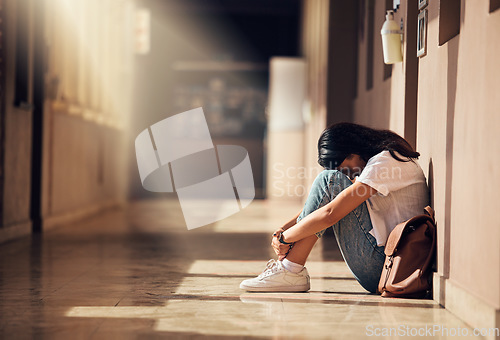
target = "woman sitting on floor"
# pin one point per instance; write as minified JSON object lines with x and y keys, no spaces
{"x":371,"y":182}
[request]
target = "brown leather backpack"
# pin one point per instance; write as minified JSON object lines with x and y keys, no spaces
{"x":409,"y":251}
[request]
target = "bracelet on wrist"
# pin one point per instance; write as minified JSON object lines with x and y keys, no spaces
{"x":280,"y":239}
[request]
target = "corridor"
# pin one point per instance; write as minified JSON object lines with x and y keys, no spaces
{"x":91,"y":249}
{"x":138,"y":272}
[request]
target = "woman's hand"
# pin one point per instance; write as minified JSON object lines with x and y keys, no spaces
{"x":279,"y":248}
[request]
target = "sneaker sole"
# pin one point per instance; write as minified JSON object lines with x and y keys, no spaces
{"x":296,"y":289}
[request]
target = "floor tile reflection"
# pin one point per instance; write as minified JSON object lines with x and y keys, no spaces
{"x":140,"y":273}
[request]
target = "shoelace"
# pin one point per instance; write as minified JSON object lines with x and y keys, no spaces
{"x":272,"y":266}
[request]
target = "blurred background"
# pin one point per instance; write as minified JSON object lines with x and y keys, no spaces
{"x":215,"y":55}
{"x":79,"y":79}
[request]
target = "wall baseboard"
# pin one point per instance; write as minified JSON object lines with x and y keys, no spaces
{"x":14,"y":231}
{"x":55,"y":220}
{"x":18,"y":230}
{"x":469,"y":308}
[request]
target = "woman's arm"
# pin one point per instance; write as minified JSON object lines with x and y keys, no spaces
{"x":345,"y":202}
{"x":279,"y":247}
{"x":291,"y":223}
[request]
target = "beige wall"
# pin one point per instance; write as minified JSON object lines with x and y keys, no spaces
{"x":85,"y":116}
{"x":87,"y":108}
{"x":458,"y":125}
{"x":457,"y":130}
{"x":476,"y":141}
{"x":84,"y":166}
{"x":447,"y":104}
{"x":391,"y":102}
{"x":373,"y":107}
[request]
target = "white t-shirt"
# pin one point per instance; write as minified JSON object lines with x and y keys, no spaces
{"x":402,"y":192}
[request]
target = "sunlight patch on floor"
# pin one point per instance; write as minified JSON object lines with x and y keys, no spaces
{"x":208,"y":301}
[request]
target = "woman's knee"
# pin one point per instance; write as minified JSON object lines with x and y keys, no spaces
{"x":326,"y":176}
{"x":334,"y":179}
{"x":326,"y":186}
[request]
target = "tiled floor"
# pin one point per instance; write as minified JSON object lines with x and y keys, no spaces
{"x":140,"y":273}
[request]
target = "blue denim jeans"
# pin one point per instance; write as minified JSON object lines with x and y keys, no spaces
{"x":359,"y":248}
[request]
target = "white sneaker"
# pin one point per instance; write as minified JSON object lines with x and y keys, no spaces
{"x":275,"y":278}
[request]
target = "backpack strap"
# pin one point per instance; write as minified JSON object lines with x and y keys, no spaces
{"x":393,"y":239}
{"x":429,"y":211}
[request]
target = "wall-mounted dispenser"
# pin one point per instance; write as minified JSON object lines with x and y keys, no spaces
{"x":391,"y":40}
